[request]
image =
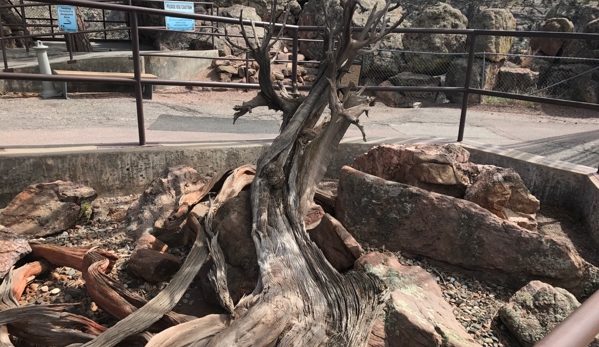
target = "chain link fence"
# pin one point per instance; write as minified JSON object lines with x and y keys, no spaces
{"x":567,"y":78}
{"x":43,"y":20}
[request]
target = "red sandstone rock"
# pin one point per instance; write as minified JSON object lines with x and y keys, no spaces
{"x":314,"y":216}
{"x":46,"y":208}
{"x":152,"y":265}
{"x":337,"y":245}
{"x":416,"y":314}
{"x":453,"y":231}
{"x":549,"y":45}
{"x":502,"y":192}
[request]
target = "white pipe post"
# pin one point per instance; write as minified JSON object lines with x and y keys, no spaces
{"x":48,"y":90}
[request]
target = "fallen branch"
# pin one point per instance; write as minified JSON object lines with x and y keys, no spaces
{"x":197,"y":332}
{"x":68,"y":256}
{"x":24,"y":275}
{"x":165,"y":301}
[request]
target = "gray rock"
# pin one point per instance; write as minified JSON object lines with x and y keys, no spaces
{"x":517,"y":80}
{"x":456,"y":77}
{"x":535,"y":310}
{"x":441,"y":15}
{"x":313,"y":14}
{"x":418,"y":80}
{"x":494,"y":19}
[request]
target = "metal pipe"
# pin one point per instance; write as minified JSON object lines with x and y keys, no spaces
{"x":247,"y":67}
{"x":24,"y":25}
{"x":578,"y":329}
{"x":3,"y":48}
{"x":137,"y":74}
{"x":294,"y":52}
{"x":467,"y":87}
{"x":51,"y":21}
{"x":552,"y":101}
{"x":69,"y":42}
{"x":56,"y":78}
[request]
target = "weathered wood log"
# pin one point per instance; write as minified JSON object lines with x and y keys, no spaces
{"x":24,"y":275}
{"x":165,"y":301}
{"x":43,"y":325}
{"x":197,"y":332}
{"x":113,"y":297}
{"x":68,"y":256}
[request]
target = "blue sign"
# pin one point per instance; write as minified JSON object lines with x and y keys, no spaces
{"x":67,"y":18}
{"x":174,"y":23}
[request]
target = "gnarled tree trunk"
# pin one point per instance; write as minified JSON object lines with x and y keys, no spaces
{"x":79,"y":42}
{"x":300,"y":299}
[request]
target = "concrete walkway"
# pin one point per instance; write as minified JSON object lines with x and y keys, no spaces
{"x":180,"y":116}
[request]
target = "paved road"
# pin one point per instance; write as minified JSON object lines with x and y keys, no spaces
{"x":199,"y":116}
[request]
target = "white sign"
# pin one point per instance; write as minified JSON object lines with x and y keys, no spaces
{"x":174,"y":23}
{"x":67,"y":18}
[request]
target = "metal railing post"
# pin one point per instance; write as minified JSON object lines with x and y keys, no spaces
{"x":3,"y":47}
{"x":51,"y":21}
{"x":467,"y":86}
{"x":294,"y":52}
{"x":137,"y":75}
{"x":24,"y":22}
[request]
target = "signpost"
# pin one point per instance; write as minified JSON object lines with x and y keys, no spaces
{"x":67,"y":18}
{"x":174,"y":23}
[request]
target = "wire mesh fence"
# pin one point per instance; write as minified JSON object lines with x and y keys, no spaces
{"x":43,"y":20}
{"x":560,"y":77}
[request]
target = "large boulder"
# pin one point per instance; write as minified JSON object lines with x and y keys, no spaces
{"x":416,"y":314}
{"x":47,"y":208}
{"x":535,"y":310}
{"x":517,"y":80}
{"x":440,"y":15}
{"x":261,"y":8}
{"x":578,"y":13}
{"x":385,"y":62}
{"x":502,"y":192}
{"x":484,"y":76}
{"x":577,"y":82}
{"x":160,"y":199}
{"x":445,"y":169}
{"x":494,"y":19}
{"x":435,"y":168}
{"x":453,"y":231}
{"x":417,"y":80}
{"x":153,"y":266}
{"x":391,"y":98}
{"x":313,"y":15}
{"x":592,"y":28}
{"x":548,"y":45}
{"x":12,"y":248}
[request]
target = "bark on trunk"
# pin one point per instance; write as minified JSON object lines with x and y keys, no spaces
{"x":10,"y":16}
{"x":300,"y":299}
{"x":79,"y":42}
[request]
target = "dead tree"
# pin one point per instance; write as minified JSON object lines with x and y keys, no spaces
{"x":300,"y":299}
{"x":79,"y":41}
